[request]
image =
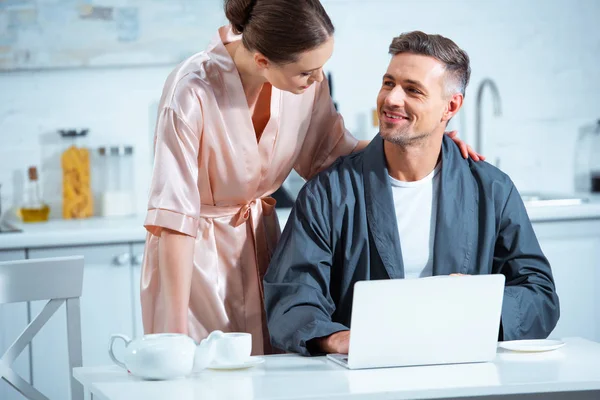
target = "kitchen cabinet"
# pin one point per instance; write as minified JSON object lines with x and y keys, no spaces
{"x":106,"y":308}
{"x":573,"y":250}
{"x":13,"y":319}
{"x":137,"y":251}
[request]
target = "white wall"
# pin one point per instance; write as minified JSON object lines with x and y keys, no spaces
{"x":117,"y":105}
{"x":543,"y":54}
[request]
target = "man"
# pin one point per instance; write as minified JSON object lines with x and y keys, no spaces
{"x":407,"y":206}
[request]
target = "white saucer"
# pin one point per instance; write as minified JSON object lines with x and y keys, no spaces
{"x":531,"y":346}
{"x":251,"y":362}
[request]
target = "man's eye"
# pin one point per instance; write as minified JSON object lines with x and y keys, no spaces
{"x":305,"y":74}
{"x":388,"y":83}
{"x":413,"y":90}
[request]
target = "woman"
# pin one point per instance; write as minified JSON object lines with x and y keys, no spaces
{"x":233,"y":122}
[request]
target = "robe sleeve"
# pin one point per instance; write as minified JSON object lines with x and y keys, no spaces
{"x":326,"y":139}
{"x":297,"y":296}
{"x":174,"y":201}
{"x":530,"y":308}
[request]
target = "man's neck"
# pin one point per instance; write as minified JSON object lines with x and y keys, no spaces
{"x":413,"y":162}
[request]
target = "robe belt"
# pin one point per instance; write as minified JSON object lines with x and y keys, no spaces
{"x":251,"y":212}
{"x":263,"y":205}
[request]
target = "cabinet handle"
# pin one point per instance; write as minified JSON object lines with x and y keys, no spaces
{"x":122,"y":259}
{"x":137,"y":259}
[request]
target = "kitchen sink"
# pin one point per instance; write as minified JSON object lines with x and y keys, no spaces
{"x":548,"y":199}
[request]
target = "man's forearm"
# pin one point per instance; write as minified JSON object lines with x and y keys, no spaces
{"x":528,"y":313}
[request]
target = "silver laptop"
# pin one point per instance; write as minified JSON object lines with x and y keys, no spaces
{"x":426,"y":321}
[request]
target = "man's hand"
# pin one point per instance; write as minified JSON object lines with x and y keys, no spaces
{"x":338,"y":342}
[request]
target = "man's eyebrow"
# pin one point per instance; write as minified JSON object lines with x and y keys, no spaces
{"x":416,"y":83}
{"x":388,"y":76}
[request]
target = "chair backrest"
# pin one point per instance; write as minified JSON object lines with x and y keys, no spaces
{"x":58,"y":280}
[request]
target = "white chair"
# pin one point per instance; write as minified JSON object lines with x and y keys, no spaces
{"x":28,"y":280}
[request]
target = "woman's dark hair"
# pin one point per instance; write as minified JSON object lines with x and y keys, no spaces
{"x":279,"y":29}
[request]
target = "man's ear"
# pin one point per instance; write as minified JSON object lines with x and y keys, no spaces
{"x":261,"y":61}
{"x":454,"y":104}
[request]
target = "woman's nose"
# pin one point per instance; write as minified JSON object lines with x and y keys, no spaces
{"x":318,"y":75}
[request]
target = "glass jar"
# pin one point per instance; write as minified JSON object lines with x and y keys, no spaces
{"x":117,"y":195}
{"x":587,"y":159}
{"x":77,"y":199}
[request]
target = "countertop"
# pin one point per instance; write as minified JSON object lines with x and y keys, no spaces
{"x":100,"y":230}
{"x":572,"y":368}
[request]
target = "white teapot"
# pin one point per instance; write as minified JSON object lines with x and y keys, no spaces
{"x":165,"y":355}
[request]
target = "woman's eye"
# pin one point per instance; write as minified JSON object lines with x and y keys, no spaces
{"x":305,"y":74}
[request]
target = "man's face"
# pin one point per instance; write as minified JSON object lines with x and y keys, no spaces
{"x":413,"y":101}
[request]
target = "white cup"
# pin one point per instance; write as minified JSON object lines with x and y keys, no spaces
{"x":233,"y":348}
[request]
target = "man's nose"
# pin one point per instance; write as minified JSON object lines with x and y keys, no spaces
{"x":395,"y":97}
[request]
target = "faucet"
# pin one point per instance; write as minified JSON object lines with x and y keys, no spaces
{"x":497,"y":109}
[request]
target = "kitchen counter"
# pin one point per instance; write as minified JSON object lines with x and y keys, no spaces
{"x":551,"y":213}
{"x":60,"y":232}
{"x":100,"y":230}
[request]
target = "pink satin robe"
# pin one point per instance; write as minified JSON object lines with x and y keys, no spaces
{"x":212,"y":180}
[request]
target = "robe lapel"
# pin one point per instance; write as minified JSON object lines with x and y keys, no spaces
{"x":381,"y":215}
{"x":456,"y":227}
{"x":232,"y":102}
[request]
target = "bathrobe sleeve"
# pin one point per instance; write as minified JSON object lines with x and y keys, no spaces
{"x":298,"y":302}
{"x":530,"y":308}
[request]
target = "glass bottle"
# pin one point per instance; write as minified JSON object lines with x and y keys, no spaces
{"x":587,"y":159}
{"x":34,"y":209}
{"x":118,"y":196}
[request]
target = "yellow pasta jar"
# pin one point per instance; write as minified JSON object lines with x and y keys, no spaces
{"x":78,"y":200}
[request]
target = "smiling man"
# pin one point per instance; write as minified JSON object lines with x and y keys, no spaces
{"x":408,"y":206}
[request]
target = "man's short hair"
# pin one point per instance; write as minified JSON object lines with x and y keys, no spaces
{"x":455,"y":59}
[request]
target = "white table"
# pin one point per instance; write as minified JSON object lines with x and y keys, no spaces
{"x":572,"y":372}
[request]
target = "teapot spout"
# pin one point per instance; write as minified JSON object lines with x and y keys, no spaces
{"x":205,"y":351}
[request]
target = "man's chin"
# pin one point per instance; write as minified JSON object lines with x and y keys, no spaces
{"x":394,"y":136}
{"x":403,"y":138}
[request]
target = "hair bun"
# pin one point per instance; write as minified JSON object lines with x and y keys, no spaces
{"x":238,"y":13}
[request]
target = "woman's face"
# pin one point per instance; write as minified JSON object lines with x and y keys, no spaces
{"x":296,"y":77}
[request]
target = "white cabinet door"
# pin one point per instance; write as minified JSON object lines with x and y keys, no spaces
{"x":13,"y":319}
{"x":573,"y":249}
{"x":105,"y":309}
{"x":137,"y":249}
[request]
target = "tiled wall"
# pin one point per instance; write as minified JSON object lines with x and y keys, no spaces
{"x":543,"y":55}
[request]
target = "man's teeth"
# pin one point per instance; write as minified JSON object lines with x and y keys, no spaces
{"x":393,"y":116}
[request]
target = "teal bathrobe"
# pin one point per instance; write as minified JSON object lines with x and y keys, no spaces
{"x":343,"y":229}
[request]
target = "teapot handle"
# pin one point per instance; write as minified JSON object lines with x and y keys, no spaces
{"x":110,"y":348}
{"x":214,"y":335}
{"x":205,"y":351}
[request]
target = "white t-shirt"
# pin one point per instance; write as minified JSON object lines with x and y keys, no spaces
{"x":416,"y":207}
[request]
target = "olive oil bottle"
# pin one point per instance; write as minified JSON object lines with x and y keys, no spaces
{"x":34,"y":209}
